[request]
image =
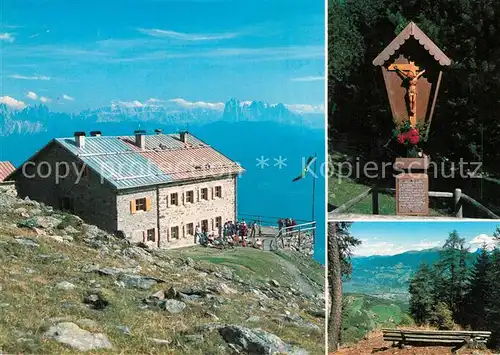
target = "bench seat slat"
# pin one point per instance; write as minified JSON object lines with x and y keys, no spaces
{"x":434,"y":341}
{"x":424,"y":339}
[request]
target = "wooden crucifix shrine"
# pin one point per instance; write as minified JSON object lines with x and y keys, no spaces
{"x":412,"y":67}
{"x":410,"y":74}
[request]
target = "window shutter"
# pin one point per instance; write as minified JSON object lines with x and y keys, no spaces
{"x":167,"y":200}
{"x":144,"y":236}
{"x":156,"y":235}
{"x":198,"y":193}
{"x":132,"y":206}
{"x":213,"y":195}
{"x":148,"y":203}
{"x":183,"y":201}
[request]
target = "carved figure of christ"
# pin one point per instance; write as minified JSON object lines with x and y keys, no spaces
{"x":411,"y":72}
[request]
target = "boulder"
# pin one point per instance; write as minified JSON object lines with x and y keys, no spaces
{"x":298,"y":321}
{"x":57,"y":238}
{"x":89,"y":268}
{"x":257,"y":341}
{"x":71,"y":230}
{"x":159,"y":341}
{"x":47,"y":222}
{"x":137,"y":253}
{"x":68,"y":238}
{"x":116,"y":270}
{"x":92,"y":232}
{"x":23,"y":212}
{"x":96,"y":300}
{"x":124,"y":329}
{"x":253,"y":319}
{"x":225,"y":272}
{"x":26,"y":242}
{"x":138,"y":281}
{"x":65,"y":285}
{"x":223,"y":289}
{"x":72,"y":335}
{"x":174,"y":306}
{"x":274,"y":283}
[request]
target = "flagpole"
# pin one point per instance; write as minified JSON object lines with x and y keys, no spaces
{"x":313,"y":195}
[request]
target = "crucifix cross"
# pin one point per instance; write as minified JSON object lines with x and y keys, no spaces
{"x":412,"y":73}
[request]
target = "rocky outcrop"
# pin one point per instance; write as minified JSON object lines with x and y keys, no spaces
{"x":75,"y":337}
{"x":234,"y":308}
{"x":301,"y":242}
{"x":257,"y":341}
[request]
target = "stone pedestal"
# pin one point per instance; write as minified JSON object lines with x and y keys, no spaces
{"x":412,"y":187}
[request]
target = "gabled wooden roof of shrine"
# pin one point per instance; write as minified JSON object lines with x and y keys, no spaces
{"x":412,"y":30}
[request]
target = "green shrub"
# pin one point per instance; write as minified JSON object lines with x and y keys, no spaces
{"x":442,"y":317}
{"x":406,"y":320}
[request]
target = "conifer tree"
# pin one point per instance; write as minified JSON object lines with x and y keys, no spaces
{"x":422,"y":294}
{"x":479,"y":293}
{"x":493,"y":307}
{"x":451,"y":287}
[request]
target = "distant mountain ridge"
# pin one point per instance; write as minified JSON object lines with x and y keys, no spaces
{"x":38,"y":118}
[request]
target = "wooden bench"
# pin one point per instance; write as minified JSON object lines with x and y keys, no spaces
{"x":441,"y":337}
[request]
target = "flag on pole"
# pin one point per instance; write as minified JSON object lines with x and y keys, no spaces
{"x":304,"y":171}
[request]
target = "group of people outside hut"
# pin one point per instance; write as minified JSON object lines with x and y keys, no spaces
{"x":231,"y":234}
{"x":286,"y":225}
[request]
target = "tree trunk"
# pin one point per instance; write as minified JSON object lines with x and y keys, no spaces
{"x":335,"y":288}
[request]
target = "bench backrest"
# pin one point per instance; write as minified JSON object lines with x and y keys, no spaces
{"x":435,"y":336}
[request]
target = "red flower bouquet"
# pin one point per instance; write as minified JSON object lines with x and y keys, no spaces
{"x":409,"y":137}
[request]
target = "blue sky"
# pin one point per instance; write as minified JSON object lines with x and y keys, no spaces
{"x":390,"y":238}
{"x":73,"y":55}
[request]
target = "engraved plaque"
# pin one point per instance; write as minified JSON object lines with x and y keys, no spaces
{"x":412,"y":194}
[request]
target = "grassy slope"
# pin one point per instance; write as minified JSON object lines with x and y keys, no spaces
{"x":28,"y":297}
{"x":259,"y":266}
{"x":362,"y":314}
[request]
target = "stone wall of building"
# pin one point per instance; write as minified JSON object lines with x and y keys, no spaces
{"x":90,"y":198}
{"x":185,"y":212}
{"x":135,"y":224}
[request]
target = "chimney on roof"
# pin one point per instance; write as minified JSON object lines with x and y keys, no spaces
{"x":140,"y":138}
{"x":80,"y":139}
{"x":184,"y":136}
{"x":158,"y":131}
{"x":95,"y":133}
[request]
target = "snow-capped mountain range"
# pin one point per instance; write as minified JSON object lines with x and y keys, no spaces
{"x":39,"y":118}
